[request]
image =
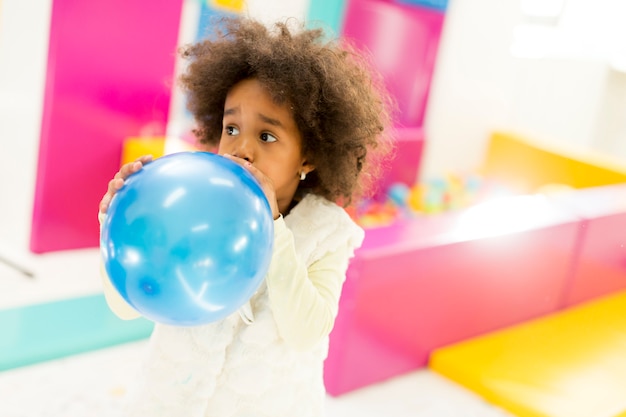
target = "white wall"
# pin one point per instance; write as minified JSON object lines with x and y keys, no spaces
{"x":272,"y":10}
{"x":24,"y":27}
{"x":472,"y":85}
{"x":609,"y":134}
{"x":568,"y":93}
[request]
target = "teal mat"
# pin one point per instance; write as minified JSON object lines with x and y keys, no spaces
{"x":41,"y":332}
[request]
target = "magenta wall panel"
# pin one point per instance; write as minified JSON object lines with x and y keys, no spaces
{"x":418,"y":285}
{"x":109,"y":76}
{"x":409,"y":146}
{"x":403,"y":41}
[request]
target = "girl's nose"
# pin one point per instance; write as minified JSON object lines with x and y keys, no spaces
{"x":245,"y":149}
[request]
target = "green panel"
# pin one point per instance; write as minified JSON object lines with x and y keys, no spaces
{"x":41,"y":332}
{"x":327,"y":14}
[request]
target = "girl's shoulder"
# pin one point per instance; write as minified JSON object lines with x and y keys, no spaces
{"x":323,"y":224}
{"x":314,"y":209}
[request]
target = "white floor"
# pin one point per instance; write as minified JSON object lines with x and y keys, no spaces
{"x":95,"y":383}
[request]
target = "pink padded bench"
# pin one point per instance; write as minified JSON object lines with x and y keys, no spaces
{"x":601,"y":255}
{"x":431,"y":281}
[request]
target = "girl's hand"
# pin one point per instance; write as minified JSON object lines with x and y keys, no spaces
{"x":118,"y":180}
{"x":266,"y":183}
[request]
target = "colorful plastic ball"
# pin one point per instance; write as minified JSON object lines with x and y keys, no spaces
{"x":398,"y":193}
{"x":188,"y":239}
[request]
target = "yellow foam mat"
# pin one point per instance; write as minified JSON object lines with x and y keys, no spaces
{"x":568,"y":364}
{"x":526,"y":164}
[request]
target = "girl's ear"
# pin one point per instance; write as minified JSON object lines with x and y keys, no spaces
{"x":306,"y":167}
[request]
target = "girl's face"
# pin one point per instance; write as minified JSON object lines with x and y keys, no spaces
{"x":266,"y":135}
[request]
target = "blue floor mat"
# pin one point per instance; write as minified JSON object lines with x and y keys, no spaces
{"x":41,"y":332}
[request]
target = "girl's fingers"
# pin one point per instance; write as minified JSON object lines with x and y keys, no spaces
{"x":118,"y":179}
{"x":115,"y":184}
{"x":255,"y":172}
{"x":128,"y":169}
{"x":132,"y":167}
{"x":266,"y":183}
{"x":104,"y":203}
{"x":144,"y":159}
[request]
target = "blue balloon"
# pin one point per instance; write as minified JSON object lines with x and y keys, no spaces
{"x":188,"y":239}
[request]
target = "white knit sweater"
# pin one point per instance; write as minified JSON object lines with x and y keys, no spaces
{"x":266,"y":359}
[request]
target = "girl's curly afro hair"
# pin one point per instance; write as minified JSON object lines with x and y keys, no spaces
{"x":338,"y":102}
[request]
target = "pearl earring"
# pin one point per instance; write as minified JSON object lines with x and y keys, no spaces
{"x":302,"y":176}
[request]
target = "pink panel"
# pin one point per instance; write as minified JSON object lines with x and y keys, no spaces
{"x":409,"y":146}
{"x":110,"y":68}
{"x":417,"y":286}
{"x":403,"y":41}
{"x":601,"y":268}
{"x":601,"y":261}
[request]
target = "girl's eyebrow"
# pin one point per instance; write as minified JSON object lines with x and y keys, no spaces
{"x":231,"y":111}
{"x":271,"y":121}
{"x":264,"y":118}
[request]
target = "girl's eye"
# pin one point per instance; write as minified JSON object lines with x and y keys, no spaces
{"x":266,"y":137}
{"x":231,"y":130}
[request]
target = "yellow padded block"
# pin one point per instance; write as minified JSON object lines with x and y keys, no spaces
{"x":134,"y":147}
{"x":526,"y":164}
{"x":234,"y":6}
{"x":568,"y":364}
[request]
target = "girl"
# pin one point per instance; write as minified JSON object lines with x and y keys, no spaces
{"x":303,"y":116}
